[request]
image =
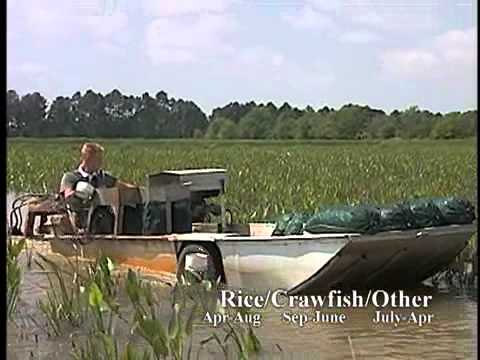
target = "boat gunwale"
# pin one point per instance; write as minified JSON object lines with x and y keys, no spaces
{"x":227,"y":237}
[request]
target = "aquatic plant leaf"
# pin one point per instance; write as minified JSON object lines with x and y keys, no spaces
{"x":253,"y":343}
{"x":108,"y":345}
{"x":95,"y":297}
{"x":217,"y":340}
{"x":132,"y":287}
{"x":173,"y":326}
{"x":15,"y":249}
{"x":190,"y":319}
{"x":160,"y":347}
{"x":237,"y":338}
{"x":154,"y":333}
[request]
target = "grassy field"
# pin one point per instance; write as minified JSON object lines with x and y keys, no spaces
{"x":268,"y":178}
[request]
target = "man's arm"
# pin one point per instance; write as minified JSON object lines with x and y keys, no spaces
{"x":67,"y":185}
{"x":112,"y":181}
{"x":124,"y":185}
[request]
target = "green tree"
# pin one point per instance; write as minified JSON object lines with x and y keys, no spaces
{"x":15,"y":126}
{"x":257,"y":123}
{"x":466,"y":125}
{"x":285,"y":123}
{"x":116,"y":114}
{"x":32,"y":114}
{"x":305,"y":125}
{"x":215,"y":126}
{"x":228,"y":130}
{"x":323,"y":126}
{"x":446,"y":127}
{"x":146,"y":117}
{"x":186,"y":118}
{"x":60,"y":118}
{"x":352,"y":120}
{"x":233,"y":111}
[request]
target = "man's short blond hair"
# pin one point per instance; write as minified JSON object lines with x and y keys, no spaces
{"x":89,"y":149}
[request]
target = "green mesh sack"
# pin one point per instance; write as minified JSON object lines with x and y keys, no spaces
{"x":358,"y":218}
{"x":425,"y":213}
{"x":281,"y":224}
{"x":290,"y":224}
{"x":296,"y":224}
{"x":455,"y":210}
{"x":396,"y":217}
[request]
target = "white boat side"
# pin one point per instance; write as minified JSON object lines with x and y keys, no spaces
{"x":297,"y":263}
{"x":263,"y":264}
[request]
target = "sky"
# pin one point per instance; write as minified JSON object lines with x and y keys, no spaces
{"x":388,"y":54}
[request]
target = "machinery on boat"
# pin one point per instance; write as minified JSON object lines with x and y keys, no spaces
{"x":172,"y":225}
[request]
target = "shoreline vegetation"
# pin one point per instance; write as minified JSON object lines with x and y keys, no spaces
{"x":115,"y":115}
{"x":76,"y":139}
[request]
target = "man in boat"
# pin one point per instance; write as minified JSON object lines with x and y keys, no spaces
{"x":89,"y":171}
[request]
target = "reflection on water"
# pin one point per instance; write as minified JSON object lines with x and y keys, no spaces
{"x":452,"y":333}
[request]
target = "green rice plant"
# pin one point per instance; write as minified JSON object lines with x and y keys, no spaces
{"x":103,"y":347}
{"x":269,"y":178}
{"x":166,"y":341}
{"x":81,"y":294}
{"x":66,"y":300}
{"x":14,"y":274}
{"x":246,"y":342}
{"x":88,"y":298}
{"x":102,"y":293}
{"x":190,"y":291}
{"x":191,"y":300}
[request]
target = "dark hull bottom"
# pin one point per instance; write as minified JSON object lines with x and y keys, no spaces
{"x":389,"y":260}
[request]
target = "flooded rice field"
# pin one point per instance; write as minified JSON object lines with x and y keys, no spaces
{"x":451,"y":334}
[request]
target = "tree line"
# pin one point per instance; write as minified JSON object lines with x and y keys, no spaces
{"x":116,"y":115}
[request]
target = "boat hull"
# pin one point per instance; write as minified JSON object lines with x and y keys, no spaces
{"x":396,"y":259}
{"x":274,"y":264}
{"x":298,"y":264}
{"x":156,"y":254}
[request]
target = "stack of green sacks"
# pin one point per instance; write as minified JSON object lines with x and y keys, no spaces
{"x":371,"y":219}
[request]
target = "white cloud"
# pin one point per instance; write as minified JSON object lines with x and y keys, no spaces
{"x":359,"y":37}
{"x":309,"y":18}
{"x":379,"y":16}
{"x":29,"y":68}
{"x":51,"y":21}
{"x":168,"y":8}
{"x":259,"y":57}
{"x":409,"y":62}
{"x":110,"y":48}
{"x":108,"y":26}
{"x":33,"y":73}
{"x":278,"y":60}
{"x":391,"y":18}
{"x":327,"y":5}
{"x":458,"y":47}
{"x":266,"y":70}
{"x":188,"y":39}
{"x":452,"y":56}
